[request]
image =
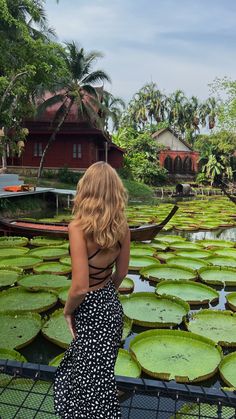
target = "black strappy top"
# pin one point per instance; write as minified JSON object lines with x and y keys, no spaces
{"x":100,"y":270}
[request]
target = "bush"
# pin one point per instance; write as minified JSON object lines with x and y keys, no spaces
{"x":66,"y":176}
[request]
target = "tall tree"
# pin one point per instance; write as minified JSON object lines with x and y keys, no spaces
{"x":78,"y":88}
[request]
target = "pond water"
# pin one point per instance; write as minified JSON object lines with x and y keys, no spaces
{"x":42,"y":351}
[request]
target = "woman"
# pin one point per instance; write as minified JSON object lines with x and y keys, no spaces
{"x":99,"y":238}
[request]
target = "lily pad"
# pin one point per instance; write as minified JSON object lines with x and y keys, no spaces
{"x":8,"y":277}
{"x":225,"y":252}
{"x":222,"y":261}
{"x":46,"y":241}
{"x":186,"y":245}
{"x":63,"y":295}
{"x":218,"y":275}
{"x":52,"y":267}
{"x":126,"y":286}
{"x":170,"y":238}
{"x":13,"y":251}
{"x":211,"y":244}
{"x":24,"y":262}
{"x":231,"y":300}
{"x":219,"y":326}
{"x":150,"y":310}
{"x":49,"y":252}
{"x":18,"y":329}
{"x":165,"y":256}
{"x":19,"y":299}
{"x":138,"y":262}
{"x":65,"y":260}
{"x":56,"y":329}
{"x":127,"y":328}
{"x":43,"y":282}
{"x":192,"y":292}
{"x":126,"y":365}
{"x":193,"y":410}
{"x":176,"y":354}
{"x":167,"y":271}
{"x":192,"y":263}
{"x":55,"y":362}
{"x":13,"y":241}
{"x":197,"y":254}
{"x":11,"y":354}
{"x":141,"y":251}
{"x":228,"y":369}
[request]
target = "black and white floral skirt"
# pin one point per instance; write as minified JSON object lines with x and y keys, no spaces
{"x":85,"y":385}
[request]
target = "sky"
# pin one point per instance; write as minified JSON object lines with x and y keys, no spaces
{"x":178,"y":44}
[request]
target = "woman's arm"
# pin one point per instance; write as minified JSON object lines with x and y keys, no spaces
{"x":122,"y":262}
{"x":80,"y":270}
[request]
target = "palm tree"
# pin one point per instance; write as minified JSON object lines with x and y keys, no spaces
{"x":111,"y":109}
{"x":77,"y":89}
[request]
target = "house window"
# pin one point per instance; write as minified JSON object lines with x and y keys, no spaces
{"x":38,"y":149}
{"x":77,"y":153}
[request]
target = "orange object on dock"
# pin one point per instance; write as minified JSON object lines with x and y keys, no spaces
{"x":19,"y":188}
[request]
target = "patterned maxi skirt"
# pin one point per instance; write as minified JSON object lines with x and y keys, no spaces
{"x":85,"y":385}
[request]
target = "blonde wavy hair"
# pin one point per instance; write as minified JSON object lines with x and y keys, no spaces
{"x":99,"y":205}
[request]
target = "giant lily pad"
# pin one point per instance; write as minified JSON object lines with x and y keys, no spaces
{"x":126,"y":286}
{"x":55,"y":362}
{"x":226,"y":252}
{"x":18,"y":329}
{"x":13,"y":251}
{"x":185,"y":246}
{"x":46,"y":241}
{"x":43,"y":282}
{"x":13,"y":241}
{"x":192,"y":292}
{"x":66,"y":260}
{"x":126,"y":365}
{"x":127,"y":328}
{"x":203,"y":410}
{"x":19,"y":299}
{"x":49,"y":252}
{"x":218,"y":275}
{"x":211,"y":244}
{"x":197,"y":254}
{"x":8,"y":277}
{"x":167,"y":238}
{"x":52,"y":267}
{"x":187,"y":262}
{"x":138,"y":262}
{"x":56,"y":329}
{"x":228,"y":369}
{"x":150,"y":310}
{"x":11,"y":354}
{"x":165,"y":256}
{"x":231,"y":300}
{"x":141,"y":251}
{"x":24,"y":262}
{"x":63,"y":295}
{"x":219,"y":326}
{"x":222,"y":261}
{"x":157,"y":273}
{"x":176,"y":354}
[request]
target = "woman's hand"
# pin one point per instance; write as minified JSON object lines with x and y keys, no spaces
{"x":70,"y":319}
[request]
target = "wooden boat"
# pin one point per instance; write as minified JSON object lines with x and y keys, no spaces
{"x":31,"y":229}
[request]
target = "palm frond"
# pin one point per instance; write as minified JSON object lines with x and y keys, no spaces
{"x":42,"y":107}
{"x":95,"y":77}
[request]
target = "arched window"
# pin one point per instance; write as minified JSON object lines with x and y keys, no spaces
{"x":168,"y":164}
{"x":178,"y":167}
{"x":187,"y":165}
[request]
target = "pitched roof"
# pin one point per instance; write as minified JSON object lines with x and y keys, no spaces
{"x":162,"y":130}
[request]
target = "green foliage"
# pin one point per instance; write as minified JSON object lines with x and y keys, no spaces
{"x":141,"y":158}
{"x":66,"y":176}
{"x":226,"y":91}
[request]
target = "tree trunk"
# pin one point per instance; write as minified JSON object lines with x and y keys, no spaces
{"x":51,"y":139}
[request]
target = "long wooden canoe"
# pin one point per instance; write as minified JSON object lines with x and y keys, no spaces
{"x":31,"y":229}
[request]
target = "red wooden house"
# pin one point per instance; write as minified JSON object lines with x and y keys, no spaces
{"x":77,"y":144}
